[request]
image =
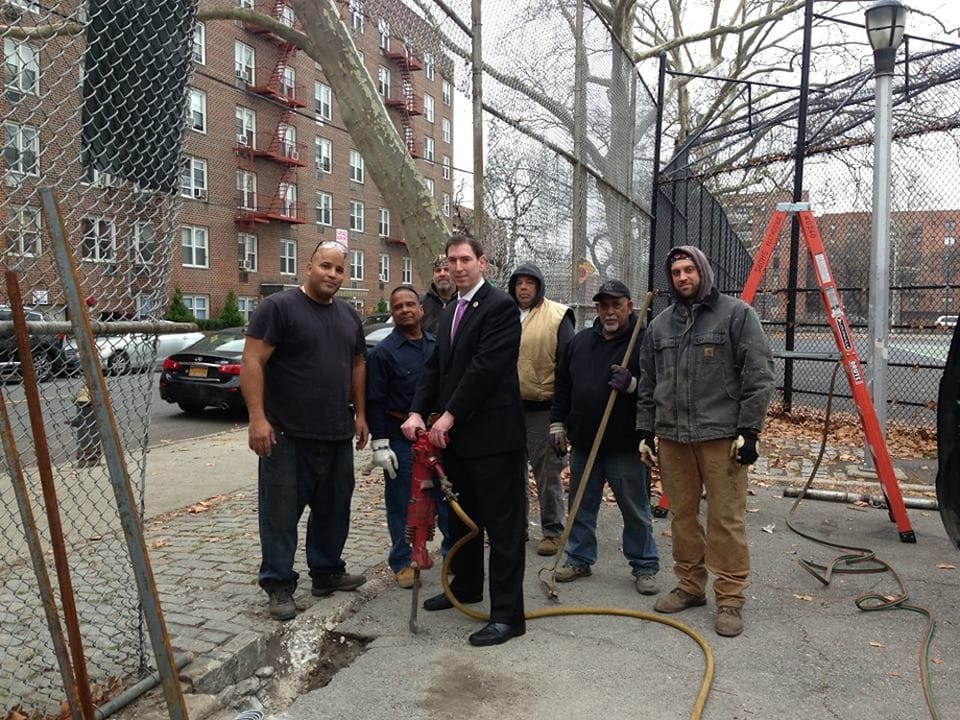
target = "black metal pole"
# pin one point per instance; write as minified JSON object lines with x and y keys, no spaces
{"x":798,"y":158}
{"x":655,"y":188}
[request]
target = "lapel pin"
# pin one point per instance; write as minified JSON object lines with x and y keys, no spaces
{"x":476,"y":303}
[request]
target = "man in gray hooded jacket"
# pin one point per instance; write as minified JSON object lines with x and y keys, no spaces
{"x":706,"y":379}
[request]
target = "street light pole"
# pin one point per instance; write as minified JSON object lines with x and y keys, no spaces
{"x":885,"y":22}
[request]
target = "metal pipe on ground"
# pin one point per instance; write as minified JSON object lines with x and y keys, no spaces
{"x":133,"y":692}
{"x":848,"y":497}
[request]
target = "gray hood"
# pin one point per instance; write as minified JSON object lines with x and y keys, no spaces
{"x":530,"y":270}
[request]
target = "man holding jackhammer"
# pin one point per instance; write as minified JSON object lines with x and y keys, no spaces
{"x":588,"y":369}
{"x":547,"y":328}
{"x":393,"y":369}
{"x":706,"y":379}
{"x":471,"y":380}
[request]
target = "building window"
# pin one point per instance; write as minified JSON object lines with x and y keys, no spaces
{"x":356,"y":166}
{"x":323,"y":97}
{"x":98,"y":239}
{"x":288,"y":257}
{"x":21,"y":68}
{"x":288,"y":199}
{"x":287,"y":134}
{"x":21,"y":149}
{"x":288,"y":83}
{"x":429,"y":112}
{"x":383,"y":27}
{"x":949,"y":232}
{"x":430,"y":185}
{"x":246,"y":127}
{"x":446,"y":204}
{"x":200,"y":43}
{"x":199,"y":305}
{"x":383,"y":222}
{"x":144,"y":243}
{"x":246,"y":305}
{"x":247,"y":189}
{"x":356,"y":215}
{"x":407,"y":275}
{"x":383,"y":82}
{"x":356,"y":16}
{"x":428,"y":66}
{"x":356,"y":264}
{"x":193,"y":246}
{"x":23,"y":231}
{"x":445,"y":161}
{"x":247,"y":251}
{"x":324,"y":155}
{"x":429,"y":149}
{"x":384,"y":268}
{"x":248,"y":4}
{"x":324,"y":208}
{"x":244,"y":62}
{"x":193,"y":179}
{"x":446,"y":92}
{"x":198,"y":110}
{"x":445,"y":130}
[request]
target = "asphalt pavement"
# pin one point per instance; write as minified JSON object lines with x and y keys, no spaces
{"x":807,"y":650}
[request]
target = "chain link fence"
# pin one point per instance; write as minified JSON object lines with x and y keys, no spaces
{"x":93,"y":107}
{"x":746,"y":167}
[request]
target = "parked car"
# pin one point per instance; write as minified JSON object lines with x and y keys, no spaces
{"x":120,"y":354}
{"x":206,"y":374}
{"x":47,"y":350}
{"x":376,"y":321}
{"x":946,"y":322}
{"x":375,"y":336}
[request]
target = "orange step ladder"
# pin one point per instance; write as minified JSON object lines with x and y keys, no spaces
{"x":848,"y":353}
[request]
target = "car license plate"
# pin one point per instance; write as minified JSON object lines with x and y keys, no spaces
{"x":197,"y":372}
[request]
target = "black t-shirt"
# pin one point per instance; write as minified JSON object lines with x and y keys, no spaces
{"x":307,"y":380}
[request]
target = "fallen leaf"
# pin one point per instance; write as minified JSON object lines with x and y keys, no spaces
{"x":769,"y":528}
{"x":937,"y":660}
{"x":946,"y":566}
{"x":874,"y":643}
{"x":753,"y":510}
{"x":805,"y":598}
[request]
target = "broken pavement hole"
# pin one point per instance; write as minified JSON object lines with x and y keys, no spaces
{"x":337,"y":651}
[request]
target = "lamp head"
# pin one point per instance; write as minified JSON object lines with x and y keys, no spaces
{"x":886,"y":21}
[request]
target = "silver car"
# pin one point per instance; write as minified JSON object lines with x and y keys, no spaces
{"x":120,"y":354}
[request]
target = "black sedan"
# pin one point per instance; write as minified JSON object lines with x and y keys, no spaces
{"x":206,"y":374}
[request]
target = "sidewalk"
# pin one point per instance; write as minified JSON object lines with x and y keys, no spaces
{"x":205,"y":559}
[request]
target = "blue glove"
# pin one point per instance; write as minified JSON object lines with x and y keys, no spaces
{"x":621,"y":379}
{"x":744,"y":447}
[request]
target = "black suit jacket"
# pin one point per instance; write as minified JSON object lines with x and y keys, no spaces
{"x":475,"y":377}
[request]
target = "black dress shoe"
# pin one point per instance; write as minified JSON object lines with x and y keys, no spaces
{"x":442,"y":602}
{"x":497,"y":633}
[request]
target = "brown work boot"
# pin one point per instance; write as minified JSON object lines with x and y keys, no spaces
{"x":729,"y":623}
{"x":406,"y":577}
{"x":569,"y":573}
{"x":548,"y":546}
{"x":677,"y":600}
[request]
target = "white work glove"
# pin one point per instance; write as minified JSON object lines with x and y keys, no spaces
{"x":557,"y":438}
{"x":647,"y":449}
{"x":384,"y":457}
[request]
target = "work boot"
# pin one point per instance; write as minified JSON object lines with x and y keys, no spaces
{"x":729,"y":623}
{"x":281,"y":605}
{"x":677,"y":600}
{"x":647,"y":584}
{"x":325,"y":584}
{"x":548,"y":546}
{"x":569,"y":573}
{"x":406,"y":577}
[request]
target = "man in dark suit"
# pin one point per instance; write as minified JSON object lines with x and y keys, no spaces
{"x":471,"y":381}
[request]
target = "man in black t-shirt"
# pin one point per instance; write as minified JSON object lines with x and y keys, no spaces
{"x":303,"y":366}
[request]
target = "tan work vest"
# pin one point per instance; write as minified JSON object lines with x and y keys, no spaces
{"x":538,"y":350}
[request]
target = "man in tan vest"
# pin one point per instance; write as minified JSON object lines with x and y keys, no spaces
{"x":547,"y":327}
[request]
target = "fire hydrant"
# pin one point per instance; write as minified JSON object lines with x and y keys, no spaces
{"x":84,"y":425}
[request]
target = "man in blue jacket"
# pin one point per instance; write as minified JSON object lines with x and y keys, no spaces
{"x":706,"y":379}
{"x":588,"y":369}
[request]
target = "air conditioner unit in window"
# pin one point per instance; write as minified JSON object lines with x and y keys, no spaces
{"x":11,"y":181}
{"x":244,"y":265}
{"x":240,"y":75}
{"x":200,"y":193}
{"x":242,"y":139}
{"x":294,"y":154}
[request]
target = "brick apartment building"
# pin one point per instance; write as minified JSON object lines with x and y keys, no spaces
{"x":270,"y":170}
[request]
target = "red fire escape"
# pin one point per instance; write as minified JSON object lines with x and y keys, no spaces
{"x":408,"y":103}
{"x":279,"y":146}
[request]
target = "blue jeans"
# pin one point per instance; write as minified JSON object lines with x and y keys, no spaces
{"x":630,"y":481}
{"x":303,"y":473}
{"x":396,"y":498}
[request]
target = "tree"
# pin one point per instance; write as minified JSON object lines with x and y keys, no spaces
{"x":231,"y":316}
{"x":178,"y":310}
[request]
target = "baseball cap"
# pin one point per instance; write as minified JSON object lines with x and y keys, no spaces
{"x":612,"y":288}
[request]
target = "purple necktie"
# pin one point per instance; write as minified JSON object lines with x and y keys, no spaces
{"x":457,"y":316}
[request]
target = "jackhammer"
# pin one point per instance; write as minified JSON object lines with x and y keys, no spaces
{"x":422,"y":511}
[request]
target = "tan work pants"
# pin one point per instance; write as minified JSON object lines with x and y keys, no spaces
{"x":685,"y":470}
